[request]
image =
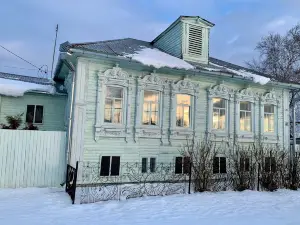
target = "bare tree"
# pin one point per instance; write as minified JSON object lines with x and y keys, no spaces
{"x":201,"y":155}
{"x":279,"y":56}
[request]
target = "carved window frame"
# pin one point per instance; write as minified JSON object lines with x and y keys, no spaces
{"x":269,"y":98}
{"x":154,"y":83}
{"x":187,"y":87}
{"x":115,"y":77}
{"x":246,"y":95}
{"x":219,"y":91}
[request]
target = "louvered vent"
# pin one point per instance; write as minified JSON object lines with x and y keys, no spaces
{"x":195,"y":40}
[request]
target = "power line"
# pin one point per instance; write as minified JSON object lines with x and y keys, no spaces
{"x":23,"y":59}
{"x":22,"y":68}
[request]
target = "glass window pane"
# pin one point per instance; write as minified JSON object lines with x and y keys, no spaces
{"x":117,"y":115}
{"x":269,"y":108}
{"x":245,"y":106}
{"x":223,"y":165}
{"x":154,"y":120}
{"x":216,"y":165}
{"x":144,"y":165}
{"x":114,"y":92}
{"x":39,"y":114}
{"x":30,"y":113}
{"x":151,"y":96}
{"x":178,"y":165}
{"x":186,"y":117}
{"x":179,"y":116}
{"x":183,"y":99}
{"x":108,"y":111}
{"x":218,"y":103}
{"x":154,"y":107}
{"x":115,"y":166}
{"x":216,"y":119}
{"x":105,"y":163}
{"x":222,"y":119}
{"x":152,"y":164}
{"x":242,"y":120}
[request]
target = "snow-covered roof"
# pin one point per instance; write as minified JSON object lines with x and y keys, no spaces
{"x":17,"y":85}
{"x":145,"y":53}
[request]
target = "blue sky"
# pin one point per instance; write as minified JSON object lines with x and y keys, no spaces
{"x":28,"y":27}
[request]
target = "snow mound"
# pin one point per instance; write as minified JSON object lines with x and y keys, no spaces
{"x":17,"y":88}
{"x":47,"y":206}
{"x":158,"y":59}
{"x":256,"y":78}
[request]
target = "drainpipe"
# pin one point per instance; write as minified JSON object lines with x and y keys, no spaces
{"x":293,"y":150}
{"x":70,"y":119}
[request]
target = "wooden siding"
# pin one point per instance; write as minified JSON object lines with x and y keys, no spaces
{"x":133,"y":150}
{"x":32,"y":158}
{"x":54,"y":109}
{"x":171,"y":42}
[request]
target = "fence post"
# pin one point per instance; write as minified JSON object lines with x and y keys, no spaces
{"x":258,"y":173}
{"x":74,"y":183}
{"x":190,"y":177}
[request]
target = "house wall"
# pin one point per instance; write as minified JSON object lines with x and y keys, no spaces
{"x":171,"y":42}
{"x":132,"y":142}
{"x":54,"y":109}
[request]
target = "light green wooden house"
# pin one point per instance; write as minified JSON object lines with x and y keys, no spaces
{"x":132,"y":101}
{"x":40,"y":102}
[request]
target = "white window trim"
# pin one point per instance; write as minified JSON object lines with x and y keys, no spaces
{"x":187,"y":87}
{"x":115,"y":77}
{"x":150,"y":82}
{"x":43,"y":116}
{"x":123,"y":94}
{"x":269,"y":98}
{"x":226,"y":111}
{"x":219,"y":91}
{"x":182,"y":109}
{"x":246,"y":95}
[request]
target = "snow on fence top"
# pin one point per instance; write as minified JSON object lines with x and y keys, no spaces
{"x":17,"y":88}
{"x":156,"y":58}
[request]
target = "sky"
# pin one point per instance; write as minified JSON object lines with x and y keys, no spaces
{"x":28,"y":27}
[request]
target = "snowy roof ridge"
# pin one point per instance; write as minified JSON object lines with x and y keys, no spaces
{"x":17,"y":85}
{"x":29,"y":79}
{"x":130,"y":47}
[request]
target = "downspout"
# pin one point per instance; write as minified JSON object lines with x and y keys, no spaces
{"x":70,"y":119}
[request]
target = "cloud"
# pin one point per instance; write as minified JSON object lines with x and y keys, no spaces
{"x":233,"y":39}
{"x":281,"y":24}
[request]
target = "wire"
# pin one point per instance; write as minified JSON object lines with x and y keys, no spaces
{"x":23,"y":59}
{"x":15,"y":67}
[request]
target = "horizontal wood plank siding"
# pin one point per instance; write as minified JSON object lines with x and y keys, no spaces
{"x":171,"y":42}
{"x":54,"y":109}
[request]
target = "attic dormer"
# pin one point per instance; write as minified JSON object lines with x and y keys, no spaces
{"x":187,"y":38}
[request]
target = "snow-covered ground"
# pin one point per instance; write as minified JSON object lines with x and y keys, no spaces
{"x":53,"y":206}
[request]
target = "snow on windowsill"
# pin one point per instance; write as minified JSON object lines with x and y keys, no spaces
{"x":17,"y":88}
{"x":158,"y":59}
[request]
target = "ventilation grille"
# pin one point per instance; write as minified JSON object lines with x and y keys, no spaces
{"x":195,"y":40}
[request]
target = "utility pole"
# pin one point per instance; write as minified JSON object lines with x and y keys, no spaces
{"x":54,"y":50}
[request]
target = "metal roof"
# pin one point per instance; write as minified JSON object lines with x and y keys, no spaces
{"x":29,"y":79}
{"x":120,"y":47}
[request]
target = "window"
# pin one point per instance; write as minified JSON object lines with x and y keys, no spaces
{"x":219,"y":113}
{"x":245,"y":116}
{"x":219,"y":165}
{"x":110,"y":166}
{"x":182,"y":165}
{"x":269,"y":118}
{"x":113,"y":105}
{"x":34,"y":114}
{"x":183,"y":110}
{"x":150,"y":112}
{"x":270,"y":164}
{"x":244,"y":164}
{"x":152,"y":166}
